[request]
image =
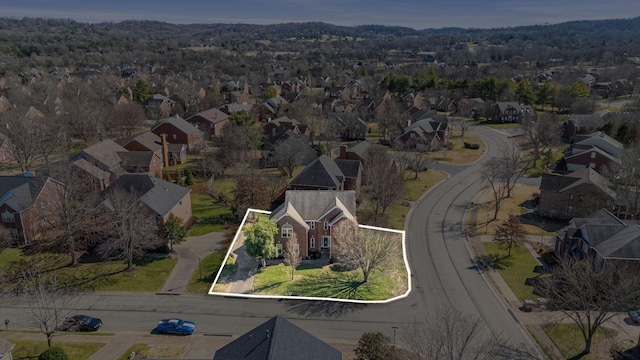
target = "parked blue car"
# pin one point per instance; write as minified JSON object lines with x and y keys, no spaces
{"x":176,"y":326}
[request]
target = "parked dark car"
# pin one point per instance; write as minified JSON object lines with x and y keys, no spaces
{"x":80,"y":323}
{"x":176,"y":326}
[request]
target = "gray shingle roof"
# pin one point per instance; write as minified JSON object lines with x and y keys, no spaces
{"x":19,"y":192}
{"x":312,"y":204}
{"x":557,"y":183}
{"x":348,"y":167}
{"x":106,"y":151}
{"x":322,"y":172}
{"x":159,"y":195}
{"x":361,"y":149}
{"x":147,"y":139}
{"x":136,"y":158}
{"x":180,"y":124}
{"x":277,"y":339}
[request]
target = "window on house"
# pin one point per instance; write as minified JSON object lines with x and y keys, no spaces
{"x":593,"y":154}
{"x":570,"y":196}
{"x":580,"y":198}
{"x":8,"y":217}
{"x":569,"y":209}
{"x":326,"y":241}
{"x":175,"y":136}
{"x":326,"y":225}
{"x":13,"y":234}
{"x":279,"y":248}
{"x":312,"y":225}
{"x":312,"y":242}
{"x":287,"y":231}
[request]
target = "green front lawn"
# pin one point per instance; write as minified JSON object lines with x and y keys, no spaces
{"x":30,"y":349}
{"x":569,"y":340}
{"x":414,"y":188}
{"x":324,"y":282}
{"x":210,"y":265}
{"x":162,"y":351}
{"x":148,"y":274}
{"x":516,"y":269}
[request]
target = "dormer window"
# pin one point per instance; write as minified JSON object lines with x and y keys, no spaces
{"x":8,"y":217}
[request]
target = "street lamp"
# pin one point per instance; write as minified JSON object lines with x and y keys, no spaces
{"x":6,"y":323}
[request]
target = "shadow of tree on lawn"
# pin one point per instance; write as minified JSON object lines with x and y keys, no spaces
{"x":329,"y":284}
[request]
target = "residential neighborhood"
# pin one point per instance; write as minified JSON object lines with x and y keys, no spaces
{"x":309,"y":191}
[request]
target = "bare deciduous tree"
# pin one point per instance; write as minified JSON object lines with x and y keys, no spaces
{"x":383,"y":181}
{"x":540,"y":133}
{"x":492,"y":175}
{"x":288,"y":156}
{"x":450,"y":334}
{"x":625,"y":177}
{"x":291,"y":253}
{"x":130,"y":227}
{"x":512,"y":166}
{"x":411,"y":156}
{"x":250,"y":191}
{"x":589,"y":293}
{"x":365,"y":249}
{"x":49,"y":301}
{"x":510,"y":234}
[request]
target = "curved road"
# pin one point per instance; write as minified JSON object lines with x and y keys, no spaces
{"x":439,"y":258}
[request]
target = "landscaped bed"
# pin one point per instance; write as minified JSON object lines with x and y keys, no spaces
{"x":30,"y":349}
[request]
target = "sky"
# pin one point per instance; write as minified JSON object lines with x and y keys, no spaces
{"x":417,"y":14}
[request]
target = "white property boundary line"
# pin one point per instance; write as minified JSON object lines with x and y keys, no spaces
{"x":235,"y":239}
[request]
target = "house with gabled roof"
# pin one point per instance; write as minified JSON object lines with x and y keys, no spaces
{"x":349,"y":125}
{"x":286,"y":143}
{"x":596,"y":151}
{"x":24,"y":201}
{"x":510,"y":111}
{"x":277,"y":338}
{"x":601,"y":237}
{"x":148,"y":141}
{"x":325,"y":173}
{"x":179,"y":131}
{"x":356,"y":152}
{"x":581,"y":124}
{"x":425,"y":134}
{"x":100,"y":161}
{"x":210,"y":122}
{"x":311,"y":215}
{"x":158,"y":106}
{"x":577,"y":194}
{"x":161,"y":197}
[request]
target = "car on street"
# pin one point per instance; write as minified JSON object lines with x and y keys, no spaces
{"x":176,"y":326}
{"x":80,"y":323}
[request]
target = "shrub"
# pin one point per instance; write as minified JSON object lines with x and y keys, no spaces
{"x":471,"y":146}
{"x":53,"y":353}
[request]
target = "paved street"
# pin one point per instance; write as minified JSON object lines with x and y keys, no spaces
{"x":438,"y":252}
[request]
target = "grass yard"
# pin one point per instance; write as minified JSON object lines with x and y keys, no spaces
{"x":516,"y":269}
{"x":211,"y":215}
{"x":513,"y":205}
{"x":414,"y":188}
{"x":569,"y":340}
{"x":149,"y":275}
{"x":210,"y":266}
{"x":30,"y":349}
{"x":226,"y":277}
{"x":324,"y":282}
{"x":460,"y":155}
{"x":144,"y":351}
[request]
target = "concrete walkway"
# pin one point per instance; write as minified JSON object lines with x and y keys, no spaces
{"x":189,"y":254}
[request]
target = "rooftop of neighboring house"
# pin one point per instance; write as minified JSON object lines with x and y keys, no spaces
{"x":277,"y":338}
{"x":212,"y":115}
{"x":159,"y":195}
{"x":180,"y":124}
{"x":600,"y":140}
{"x":20,"y":192}
{"x":322,"y":172}
{"x":558,"y":183}
{"x":136,"y":158}
{"x":147,"y":139}
{"x":106,"y":151}
{"x":361,"y":149}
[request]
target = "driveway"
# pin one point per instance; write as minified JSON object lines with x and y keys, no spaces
{"x":189,"y":253}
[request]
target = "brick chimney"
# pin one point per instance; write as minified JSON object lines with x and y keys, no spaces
{"x":165,"y":150}
{"x":343,"y":152}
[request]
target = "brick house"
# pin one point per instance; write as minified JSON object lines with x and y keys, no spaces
{"x":148,"y":141}
{"x":5,"y":152}
{"x":24,"y":203}
{"x":311,"y":216}
{"x":357,"y":152}
{"x":210,"y":122}
{"x":574,"y":195}
{"x":161,"y":197}
{"x":581,"y":124}
{"x":602,"y":237}
{"x":596,"y":151}
{"x":425,"y":134}
{"x":510,"y":111}
{"x":101,"y":162}
{"x":179,"y":131}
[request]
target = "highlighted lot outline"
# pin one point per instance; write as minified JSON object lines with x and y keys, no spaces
{"x":235,"y":239}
